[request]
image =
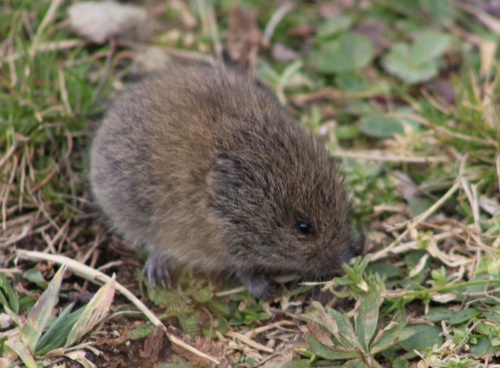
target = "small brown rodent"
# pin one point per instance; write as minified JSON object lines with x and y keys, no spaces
{"x":207,"y":170}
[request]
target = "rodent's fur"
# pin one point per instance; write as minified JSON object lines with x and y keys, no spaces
{"x":207,"y":170}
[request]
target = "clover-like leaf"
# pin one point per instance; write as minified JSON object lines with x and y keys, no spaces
{"x":428,"y":46}
{"x":335,"y":25}
{"x":380,"y":126}
{"x":399,"y":63}
{"x":347,"y":52}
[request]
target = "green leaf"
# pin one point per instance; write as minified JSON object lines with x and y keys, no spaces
{"x":463,"y":315}
{"x":441,"y":12}
{"x":347,"y":52}
{"x":35,"y":276}
{"x":380,"y":126}
{"x":211,"y":326}
{"x":438,"y":314}
{"x":385,"y":270}
{"x":355,"y":363}
{"x":366,"y":317}
{"x":424,"y":337}
{"x":13,"y":301}
{"x":218,"y":307}
{"x":483,"y":348}
{"x":190,"y":324}
{"x":492,"y":316}
{"x":391,"y":337}
{"x":429,"y":46}
{"x":333,"y":26}
{"x":303,"y":363}
{"x":57,"y":333}
{"x":350,"y":81}
{"x":344,"y":333}
{"x":26,"y":302}
{"x":141,"y":332}
{"x":398,"y":62}
{"x":400,"y":363}
{"x":41,"y":312}
{"x":327,"y":352}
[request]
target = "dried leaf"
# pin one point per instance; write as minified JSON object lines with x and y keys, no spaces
{"x":80,"y":357}
{"x":153,"y":344}
{"x":319,"y":334}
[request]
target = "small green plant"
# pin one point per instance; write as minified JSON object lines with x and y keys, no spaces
{"x":354,"y":278}
{"x":334,"y":336}
{"x":64,"y":331}
{"x":419,"y":61}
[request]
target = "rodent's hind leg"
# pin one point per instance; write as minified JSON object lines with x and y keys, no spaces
{"x":156,"y":270}
{"x":258,"y":284}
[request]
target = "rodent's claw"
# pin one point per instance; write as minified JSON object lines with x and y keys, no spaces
{"x":259,"y":285}
{"x":156,"y":271}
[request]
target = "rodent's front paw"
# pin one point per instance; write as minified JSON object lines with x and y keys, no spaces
{"x":260,"y":286}
{"x":156,"y":271}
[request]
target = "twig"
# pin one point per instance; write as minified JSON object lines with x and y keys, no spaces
{"x":283,"y":10}
{"x":417,"y":220}
{"x":46,"y":47}
{"x":259,"y":330}
{"x":396,"y":294}
{"x":373,"y":155}
{"x":237,"y":290}
{"x":93,"y":275}
{"x":402,"y":248}
{"x":249,"y":342}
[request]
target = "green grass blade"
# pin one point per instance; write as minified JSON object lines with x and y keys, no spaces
{"x":57,"y":333}
{"x":39,"y":315}
{"x":13,"y":301}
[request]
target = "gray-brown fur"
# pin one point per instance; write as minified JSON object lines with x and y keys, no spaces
{"x":207,"y":170}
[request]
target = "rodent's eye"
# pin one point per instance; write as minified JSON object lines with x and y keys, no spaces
{"x":304,"y":227}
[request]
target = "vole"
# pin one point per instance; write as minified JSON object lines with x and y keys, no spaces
{"x":205,"y":168}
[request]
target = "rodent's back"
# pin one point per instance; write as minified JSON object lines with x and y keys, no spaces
{"x":203,"y":166}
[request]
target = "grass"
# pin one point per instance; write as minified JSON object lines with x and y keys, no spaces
{"x":406,"y":96}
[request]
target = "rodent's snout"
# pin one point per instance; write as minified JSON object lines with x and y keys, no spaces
{"x":329,"y":261}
